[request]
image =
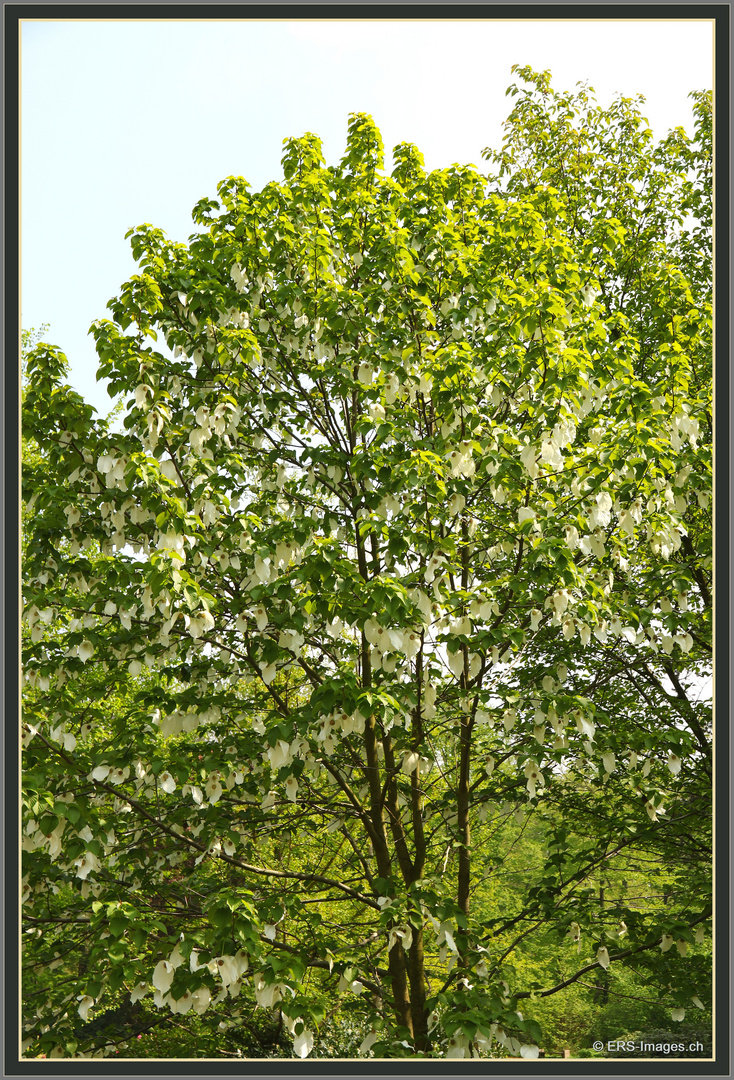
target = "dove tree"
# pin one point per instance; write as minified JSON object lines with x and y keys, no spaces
{"x":404,"y":541}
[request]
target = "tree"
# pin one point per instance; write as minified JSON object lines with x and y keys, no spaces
{"x":404,"y":546}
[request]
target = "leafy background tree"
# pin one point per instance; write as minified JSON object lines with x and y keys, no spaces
{"x":361,"y":664}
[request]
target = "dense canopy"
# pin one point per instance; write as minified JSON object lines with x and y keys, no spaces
{"x":395,"y":562}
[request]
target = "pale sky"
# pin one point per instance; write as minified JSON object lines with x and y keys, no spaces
{"x":125,"y":122}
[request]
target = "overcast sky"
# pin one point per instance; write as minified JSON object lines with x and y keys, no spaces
{"x":134,"y":121}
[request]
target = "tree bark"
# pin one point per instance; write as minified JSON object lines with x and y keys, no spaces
{"x":462,"y":794}
{"x":416,"y":974}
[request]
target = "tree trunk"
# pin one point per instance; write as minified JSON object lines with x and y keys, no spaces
{"x":416,"y":974}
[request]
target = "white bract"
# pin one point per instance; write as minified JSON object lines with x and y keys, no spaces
{"x":162,"y":976}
